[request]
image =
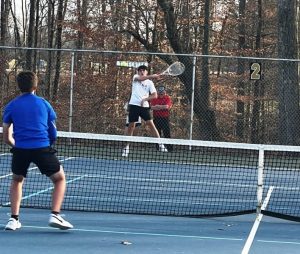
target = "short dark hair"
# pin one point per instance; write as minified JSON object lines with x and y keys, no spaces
{"x":27,"y":81}
{"x":142,"y":67}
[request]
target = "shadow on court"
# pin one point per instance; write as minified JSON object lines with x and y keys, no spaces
{"x":117,"y":233}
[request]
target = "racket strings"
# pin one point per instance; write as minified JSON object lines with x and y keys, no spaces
{"x":176,"y":68}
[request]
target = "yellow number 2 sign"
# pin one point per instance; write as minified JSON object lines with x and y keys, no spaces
{"x":255,"y":71}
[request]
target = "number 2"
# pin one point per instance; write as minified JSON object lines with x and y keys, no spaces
{"x":255,"y":71}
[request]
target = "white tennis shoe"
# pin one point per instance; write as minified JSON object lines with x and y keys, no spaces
{"x":56,"y":221}
{"x":162,"y":148}
{"x":13,"y":224}
{"x":125,"y":151}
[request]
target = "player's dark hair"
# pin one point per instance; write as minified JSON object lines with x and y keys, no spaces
{"x":27,"y":81}
{"x":142,"y":67}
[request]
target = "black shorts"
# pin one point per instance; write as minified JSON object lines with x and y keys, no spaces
{"x":136,"y":111}
{"x":136,"y":124}
{"x":44,"y":158}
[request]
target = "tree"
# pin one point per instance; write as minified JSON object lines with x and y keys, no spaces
{"x":17,"y":36}
{"x":288,"y":82}
{"x":36,"y":33}
{"x":206,"y":27}
{"x":258,"y":92}
{"x":3,"y":38}
{"x":208,"y":125}
{"x":30,"y":36}
{"x":82,"y":6}
{"x":60,"y":17}
{"x":205,"y":114}
{"x":240,"y":105}
{"x":50,"y":25}
{"x":4,"y":20}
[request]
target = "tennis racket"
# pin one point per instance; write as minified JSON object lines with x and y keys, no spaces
{"x":174,"y":69}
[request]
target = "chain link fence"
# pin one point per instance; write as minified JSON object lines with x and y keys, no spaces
{"x":222,"y":98}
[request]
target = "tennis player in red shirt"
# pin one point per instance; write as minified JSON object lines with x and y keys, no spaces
{"x":161,"y":113}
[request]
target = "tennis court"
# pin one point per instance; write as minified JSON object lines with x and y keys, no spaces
{"x":104,"y":233}
{"x":161,"y":202}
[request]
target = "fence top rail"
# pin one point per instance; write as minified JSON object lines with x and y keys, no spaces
{"x":71,"y":50}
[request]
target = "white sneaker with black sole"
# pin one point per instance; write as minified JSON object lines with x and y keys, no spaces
{"x":13,"y":224}
{"x":125,"y":151}
{"x":56,"y":221}
{"x":162,"y":148}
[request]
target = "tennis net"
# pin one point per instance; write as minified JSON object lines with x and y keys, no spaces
{"x":197,"y":178}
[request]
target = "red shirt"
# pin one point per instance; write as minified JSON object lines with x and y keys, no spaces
{"x":162,"y":100}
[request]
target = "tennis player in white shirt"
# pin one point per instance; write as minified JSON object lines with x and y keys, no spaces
{"x":143,"y":90}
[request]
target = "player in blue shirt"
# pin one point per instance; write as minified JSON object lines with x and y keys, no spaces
{"x":29,"y":128}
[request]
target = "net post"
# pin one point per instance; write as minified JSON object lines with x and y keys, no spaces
{"x":260,"y":180}
{"x":71,"y":93}
{"x":192,"y":99}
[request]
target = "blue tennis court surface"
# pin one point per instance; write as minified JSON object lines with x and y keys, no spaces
{"x":106,"y":233}
{"x":143,"y":187}
{"x":158,"y":188}
{"x":156,"y":185}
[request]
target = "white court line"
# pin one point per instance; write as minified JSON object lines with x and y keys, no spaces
{"x":143,"y":179}
{"x":3,"y":154}
{"x":138,"y":233}
{"x":255,"y":226}
{"x":279,"y":242}
{"x":156,"y":200}
{"x":45,"y":190}
{"x":254,"y":185}
{"x":42,"y":191}
{"x":156,"y":234}
{"x":4,"y":176}
{"x":10,"y":174}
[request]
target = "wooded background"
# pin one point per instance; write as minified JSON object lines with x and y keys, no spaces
{"x":228,"y":105}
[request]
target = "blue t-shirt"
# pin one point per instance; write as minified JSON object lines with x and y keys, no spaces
{"x":33,"y":120}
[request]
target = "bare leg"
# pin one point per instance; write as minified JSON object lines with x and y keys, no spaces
{"x":153,"y":129}
{"x":130,"y":129}
{"x":59,"y":182}
{"x":155,"y":133}
{"x":16,"y":193}
{"x":125,"y":130}
{"x":129,"y":132}
{"x":136,"y":131}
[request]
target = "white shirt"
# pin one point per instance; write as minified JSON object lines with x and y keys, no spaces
{"x":141,"y":90}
